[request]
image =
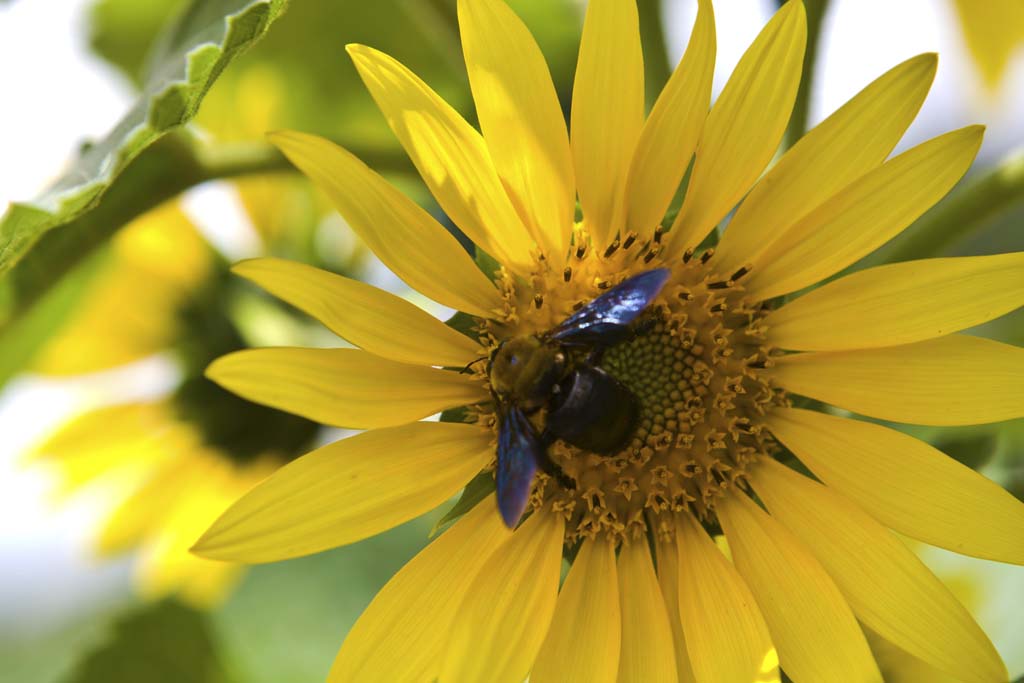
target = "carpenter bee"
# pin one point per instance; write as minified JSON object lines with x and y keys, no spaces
{"x":557,"y":370}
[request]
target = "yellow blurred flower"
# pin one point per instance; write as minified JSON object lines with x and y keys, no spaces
{"x":177,"y":461}
{"x":172,"y":483}
{"x":158,"y":263}
{"x":994,"y":32}
{"x":649,"y":596}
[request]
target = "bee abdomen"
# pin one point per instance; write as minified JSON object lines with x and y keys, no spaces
{"x":593,"y":411}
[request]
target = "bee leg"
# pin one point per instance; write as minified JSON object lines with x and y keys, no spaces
{"x":549,"y":466}
{"x":469,"y":366}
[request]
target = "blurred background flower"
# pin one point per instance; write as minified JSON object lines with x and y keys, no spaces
{"x":77,"y":361}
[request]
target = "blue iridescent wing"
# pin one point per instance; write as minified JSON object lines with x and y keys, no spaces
{"x":518,"y":451}
{"x":614,"y":310}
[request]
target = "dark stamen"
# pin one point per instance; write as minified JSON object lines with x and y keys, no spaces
{"x":706,"y":256}
{"x":538,"y":300}
{"x":567,"y":274}
{"x":581,"y":251}
{"x":612,"y":248}
{"x":739,"y":273}
{"x":720,"y":284}
{"x":687,"y":255}
{"x":630,"y":238}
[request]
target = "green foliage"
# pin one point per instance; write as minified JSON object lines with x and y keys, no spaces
{"x":161,"y":643}
{"x":190,"y":57}
{"x":464,"y":323}
{"x":488,"y":264}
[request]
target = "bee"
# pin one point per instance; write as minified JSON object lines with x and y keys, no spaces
{"x":558,"y":370}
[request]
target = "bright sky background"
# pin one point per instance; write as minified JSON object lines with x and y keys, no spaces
{"x":56,"y":94}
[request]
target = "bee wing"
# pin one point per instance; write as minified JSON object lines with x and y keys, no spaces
{"x":614,"y":310}
{"x":518,"y":451}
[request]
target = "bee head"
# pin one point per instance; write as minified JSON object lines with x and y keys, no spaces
{"x":525,"y":370}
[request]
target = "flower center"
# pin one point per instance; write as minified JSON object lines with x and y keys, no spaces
{"x":693,"y":368}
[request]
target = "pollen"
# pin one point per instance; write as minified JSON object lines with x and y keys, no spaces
{"x":694,"y":365}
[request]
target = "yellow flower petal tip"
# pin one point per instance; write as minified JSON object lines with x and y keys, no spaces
{"x":218,"y":370}
{"x":358,"y":51}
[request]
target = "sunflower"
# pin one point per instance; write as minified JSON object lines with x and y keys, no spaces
{"x":176,"y":462}
{"x":807,"y":499}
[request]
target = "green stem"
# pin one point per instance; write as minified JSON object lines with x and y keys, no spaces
{"x":170,"y":166}
{"x":975,"y":204}
{"x":816,"y":10}
{"x":230,"y":160}
{"x":652,"y":36}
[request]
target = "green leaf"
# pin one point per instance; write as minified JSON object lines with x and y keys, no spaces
{"x":189,"y":58}
{"x":478,"y":488}
{"x":460,"y":414}
{"x":162,"y":643}
{"x":972,"y":449}
{"x":488,"y":264}
{"x":123,"y":33}
{"x":465,"y":323}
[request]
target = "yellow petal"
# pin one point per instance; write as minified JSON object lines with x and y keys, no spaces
{"x":504,"y":616}
{"x":725,"y":633}
{"x":994,"y":32}
{"x":900,"y":667}
{"x":401,"y":636}
{"x":148,"y":507}
{"x":450,"y":156}
{"x":901,"y":303}
{"x":521,"y":119}
{"x":849,"y":143}
{"x":647,"y":654}
{"x":90,"y":432}
{"x":583,"y":641}
{"x":668,"y":579}
{"x":607,"y":113}
{"x":818,"y":637}
{"x":889,"y":589}
{"x":165,"y":565}
{"x":954,"y":380}
{"x":670,"y":134}
{"x":744,"y":127}
{"x":402,"y":235}
{"x":349,"y":490}
{"x":864,"y":215}
{"x":370,"y":318}
{"x":906,"y":484}
{"x":87,"y":448}
{"x":343,"y":387}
